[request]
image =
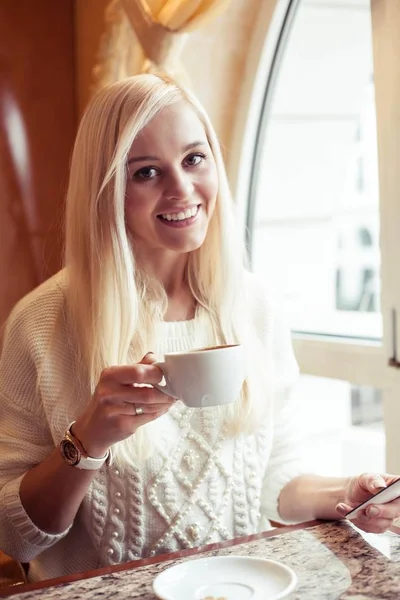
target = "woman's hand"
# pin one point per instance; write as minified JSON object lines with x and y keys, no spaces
{"x":111,"y":416}
{"x":376,"y":518}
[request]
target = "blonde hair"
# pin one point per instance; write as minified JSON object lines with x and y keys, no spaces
{"x":111,"y":305}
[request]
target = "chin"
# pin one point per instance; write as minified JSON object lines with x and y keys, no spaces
{"x":186,"y":248}
{"x":188,"y":245}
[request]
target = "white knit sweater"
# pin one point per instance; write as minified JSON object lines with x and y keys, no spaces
{"x":197,"y":487}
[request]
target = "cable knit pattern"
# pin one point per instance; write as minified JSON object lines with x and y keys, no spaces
{"x":135,"y":534}
{"x":252,"y":476}
{"x":241,"y":517}
{"x":198,"y":486}
{"x":208,"y":429}
{"x":112,"y":550}
{"x":99,"y":506}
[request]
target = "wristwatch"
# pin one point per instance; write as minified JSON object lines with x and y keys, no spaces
{"x":74,"y":454}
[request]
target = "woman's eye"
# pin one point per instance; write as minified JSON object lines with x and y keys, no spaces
{"x":194,"y":159}
{"x":146,"y":173}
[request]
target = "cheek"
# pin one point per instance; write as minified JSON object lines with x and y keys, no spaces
{"x":136,"y":204}
{"x":136,"y":214}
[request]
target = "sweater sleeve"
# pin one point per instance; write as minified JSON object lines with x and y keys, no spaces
{"x":285,"y":460}
{"x":25,"y":438}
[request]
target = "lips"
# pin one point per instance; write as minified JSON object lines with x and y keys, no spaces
{"x":180,"y":215}
{"x":180,"y":219}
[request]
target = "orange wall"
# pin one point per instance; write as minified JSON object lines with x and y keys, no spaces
{"x":37,"y":85}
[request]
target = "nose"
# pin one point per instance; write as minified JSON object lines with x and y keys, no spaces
{"x":179,"y":185}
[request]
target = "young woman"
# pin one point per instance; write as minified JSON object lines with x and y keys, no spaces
{"x":153,"y":264}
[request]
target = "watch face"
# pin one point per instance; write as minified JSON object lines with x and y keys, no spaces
{"x":70,"y":452}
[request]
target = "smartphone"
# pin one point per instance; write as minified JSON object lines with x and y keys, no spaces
{"x":389,"y":493}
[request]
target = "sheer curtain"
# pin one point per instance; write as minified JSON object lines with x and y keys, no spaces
{"x":148,"y":35}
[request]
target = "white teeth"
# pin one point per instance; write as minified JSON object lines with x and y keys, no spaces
{"x":182,"y":215}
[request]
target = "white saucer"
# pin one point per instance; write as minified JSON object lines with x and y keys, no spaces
{"x":227,"y":578}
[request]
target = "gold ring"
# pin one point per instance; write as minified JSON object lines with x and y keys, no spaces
{"x":138,"y":410}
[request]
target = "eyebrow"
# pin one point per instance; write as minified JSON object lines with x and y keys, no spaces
{"x":150,"y":157}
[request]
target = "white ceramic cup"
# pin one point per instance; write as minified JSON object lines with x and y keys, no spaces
{"x":204,"y":377}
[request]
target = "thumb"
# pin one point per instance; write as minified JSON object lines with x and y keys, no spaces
{"x":148,"y":359}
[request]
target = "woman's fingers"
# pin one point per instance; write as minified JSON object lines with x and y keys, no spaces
{"x":390,"y":510}
{"x":121,"y":392}
{"x":372,"y":482}
{"x":129,"y":423}
{"x":145,"y":409}
{"x":372,"y":524}
{"x":148,"y":359}
{"x":342,"y":509}
{"x":117,"y":394}
{"x":147,"y":417}
{"x":129,"y":374}
{"x":374,"y":518}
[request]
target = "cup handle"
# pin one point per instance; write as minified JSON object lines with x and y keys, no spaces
{"x":167,"y":388}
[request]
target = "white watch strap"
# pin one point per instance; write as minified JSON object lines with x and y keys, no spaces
{"x":92,"y":464}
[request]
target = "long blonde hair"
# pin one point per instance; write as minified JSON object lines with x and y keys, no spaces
{"x":112,"y":307}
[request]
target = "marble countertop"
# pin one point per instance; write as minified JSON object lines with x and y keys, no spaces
{"x":331,"y":560}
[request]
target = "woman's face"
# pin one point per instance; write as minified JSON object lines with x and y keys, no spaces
{"x":172,"y":183}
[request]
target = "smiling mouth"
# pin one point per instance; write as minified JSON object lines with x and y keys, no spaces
{"x":181,"y":216}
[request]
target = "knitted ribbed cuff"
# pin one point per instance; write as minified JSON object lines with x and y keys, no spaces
{"x":20,"y":521}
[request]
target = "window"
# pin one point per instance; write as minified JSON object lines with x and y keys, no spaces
{"x":316,"y":225}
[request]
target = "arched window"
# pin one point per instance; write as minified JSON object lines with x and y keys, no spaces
{"x":314,"y":219}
